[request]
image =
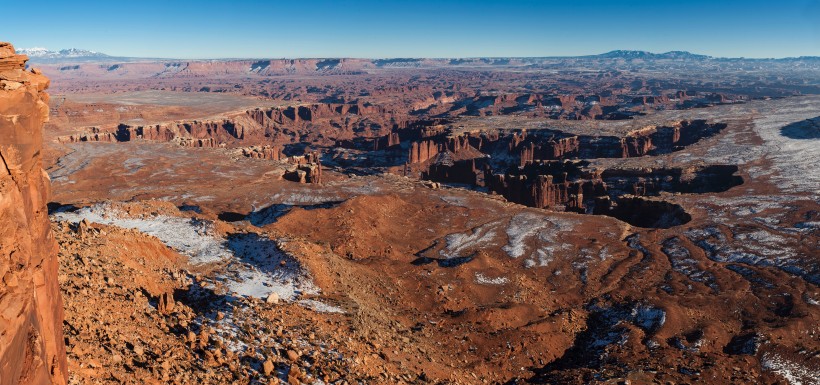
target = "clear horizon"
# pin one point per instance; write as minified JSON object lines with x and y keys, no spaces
{"x":424,"y":29}
{"x":397,"y":57}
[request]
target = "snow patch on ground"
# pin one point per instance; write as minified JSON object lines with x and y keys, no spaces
{"x":484,"y":280}
{"x":683,"y":262}
{"x":808,"y":225}
{"x":477,"y":238}
{"x":132,"y":165}
{"x":249,"y":265}
{"x":754,"y":247}
{"x":648,"y":317}
{"x":298,"y":199}
{"x":794,"y":160}
{"x":261,"y":268}
{"x":191,"y":237}
{"x":320,"y":307}
{"x":766,"y":209}
{"x":526,"y":227}
{"x":454,"y":200}
{"x":794,"y":373}
{"x":606,"y":325}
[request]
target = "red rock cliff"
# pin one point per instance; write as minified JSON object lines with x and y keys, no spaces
{"x":31,"y":308}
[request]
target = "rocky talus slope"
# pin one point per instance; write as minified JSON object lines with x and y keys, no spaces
{"x":31,"y":309}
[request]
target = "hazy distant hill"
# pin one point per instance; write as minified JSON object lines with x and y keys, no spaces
{"x":622,"y":54}
{"x":74,"y":55}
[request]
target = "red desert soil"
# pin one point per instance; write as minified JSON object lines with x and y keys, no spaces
{"x":434,"y":221}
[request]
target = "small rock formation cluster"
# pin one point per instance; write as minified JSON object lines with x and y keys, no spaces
{"x":263,"y":152}
{"x":306,"y":169}
{"x":32,"y":351}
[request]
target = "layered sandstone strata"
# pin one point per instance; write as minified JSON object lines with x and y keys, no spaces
{"x":31,"y":308}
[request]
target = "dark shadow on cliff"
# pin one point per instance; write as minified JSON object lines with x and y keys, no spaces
{"x":805,"y":129}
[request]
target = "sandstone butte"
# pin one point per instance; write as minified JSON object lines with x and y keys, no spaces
{"x":32,"y":350}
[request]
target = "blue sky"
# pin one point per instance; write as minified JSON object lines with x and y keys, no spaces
{"x":442,"y":28}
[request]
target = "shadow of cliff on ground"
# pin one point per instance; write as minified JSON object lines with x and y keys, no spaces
{"x":606,"y":326}
{"x":57,"y":207}
{"x":201,"y":299}
{"x":270,"y":214}
{"x":261,"y":252}
{"x":261,"y":267}
{"x":230,"y":216}
{"x":804,"y":129}
{"x":442,"y":262}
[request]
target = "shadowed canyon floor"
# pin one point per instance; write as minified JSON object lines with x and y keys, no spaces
{"x":455,"y":223}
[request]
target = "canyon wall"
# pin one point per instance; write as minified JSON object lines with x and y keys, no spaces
{"x":322,"y":123}
{"x":651,"y":140}
{"x":31,"y":309}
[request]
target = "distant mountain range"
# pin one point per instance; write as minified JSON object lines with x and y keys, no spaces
{"x":43,"y":55}
{"x":684,"y":55}
{"x":622,"y":54}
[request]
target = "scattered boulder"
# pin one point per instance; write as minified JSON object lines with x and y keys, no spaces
{"x":166,"y":303}
{"x":272,"y":298}
{"x":83,"y":229}
{"x":292,"y":355}
{"x":268,"y":367}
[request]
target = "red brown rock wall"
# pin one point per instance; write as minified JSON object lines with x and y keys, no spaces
{"x":31,"y":308}
{"x":422,"y":151}
{"x":551,"y":150}
{"x":264,"y":152}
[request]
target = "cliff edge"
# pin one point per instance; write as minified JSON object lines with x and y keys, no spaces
{"x":32,"y":349}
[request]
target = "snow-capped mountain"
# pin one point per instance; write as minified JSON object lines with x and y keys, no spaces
{"x":44,"y":55}
{"x":34,"y":52}
{"x":39,"y":52}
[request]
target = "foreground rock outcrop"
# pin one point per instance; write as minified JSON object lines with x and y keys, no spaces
{"x":31,"y":309}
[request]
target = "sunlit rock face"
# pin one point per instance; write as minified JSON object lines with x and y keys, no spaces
{"x":31,"y":309}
